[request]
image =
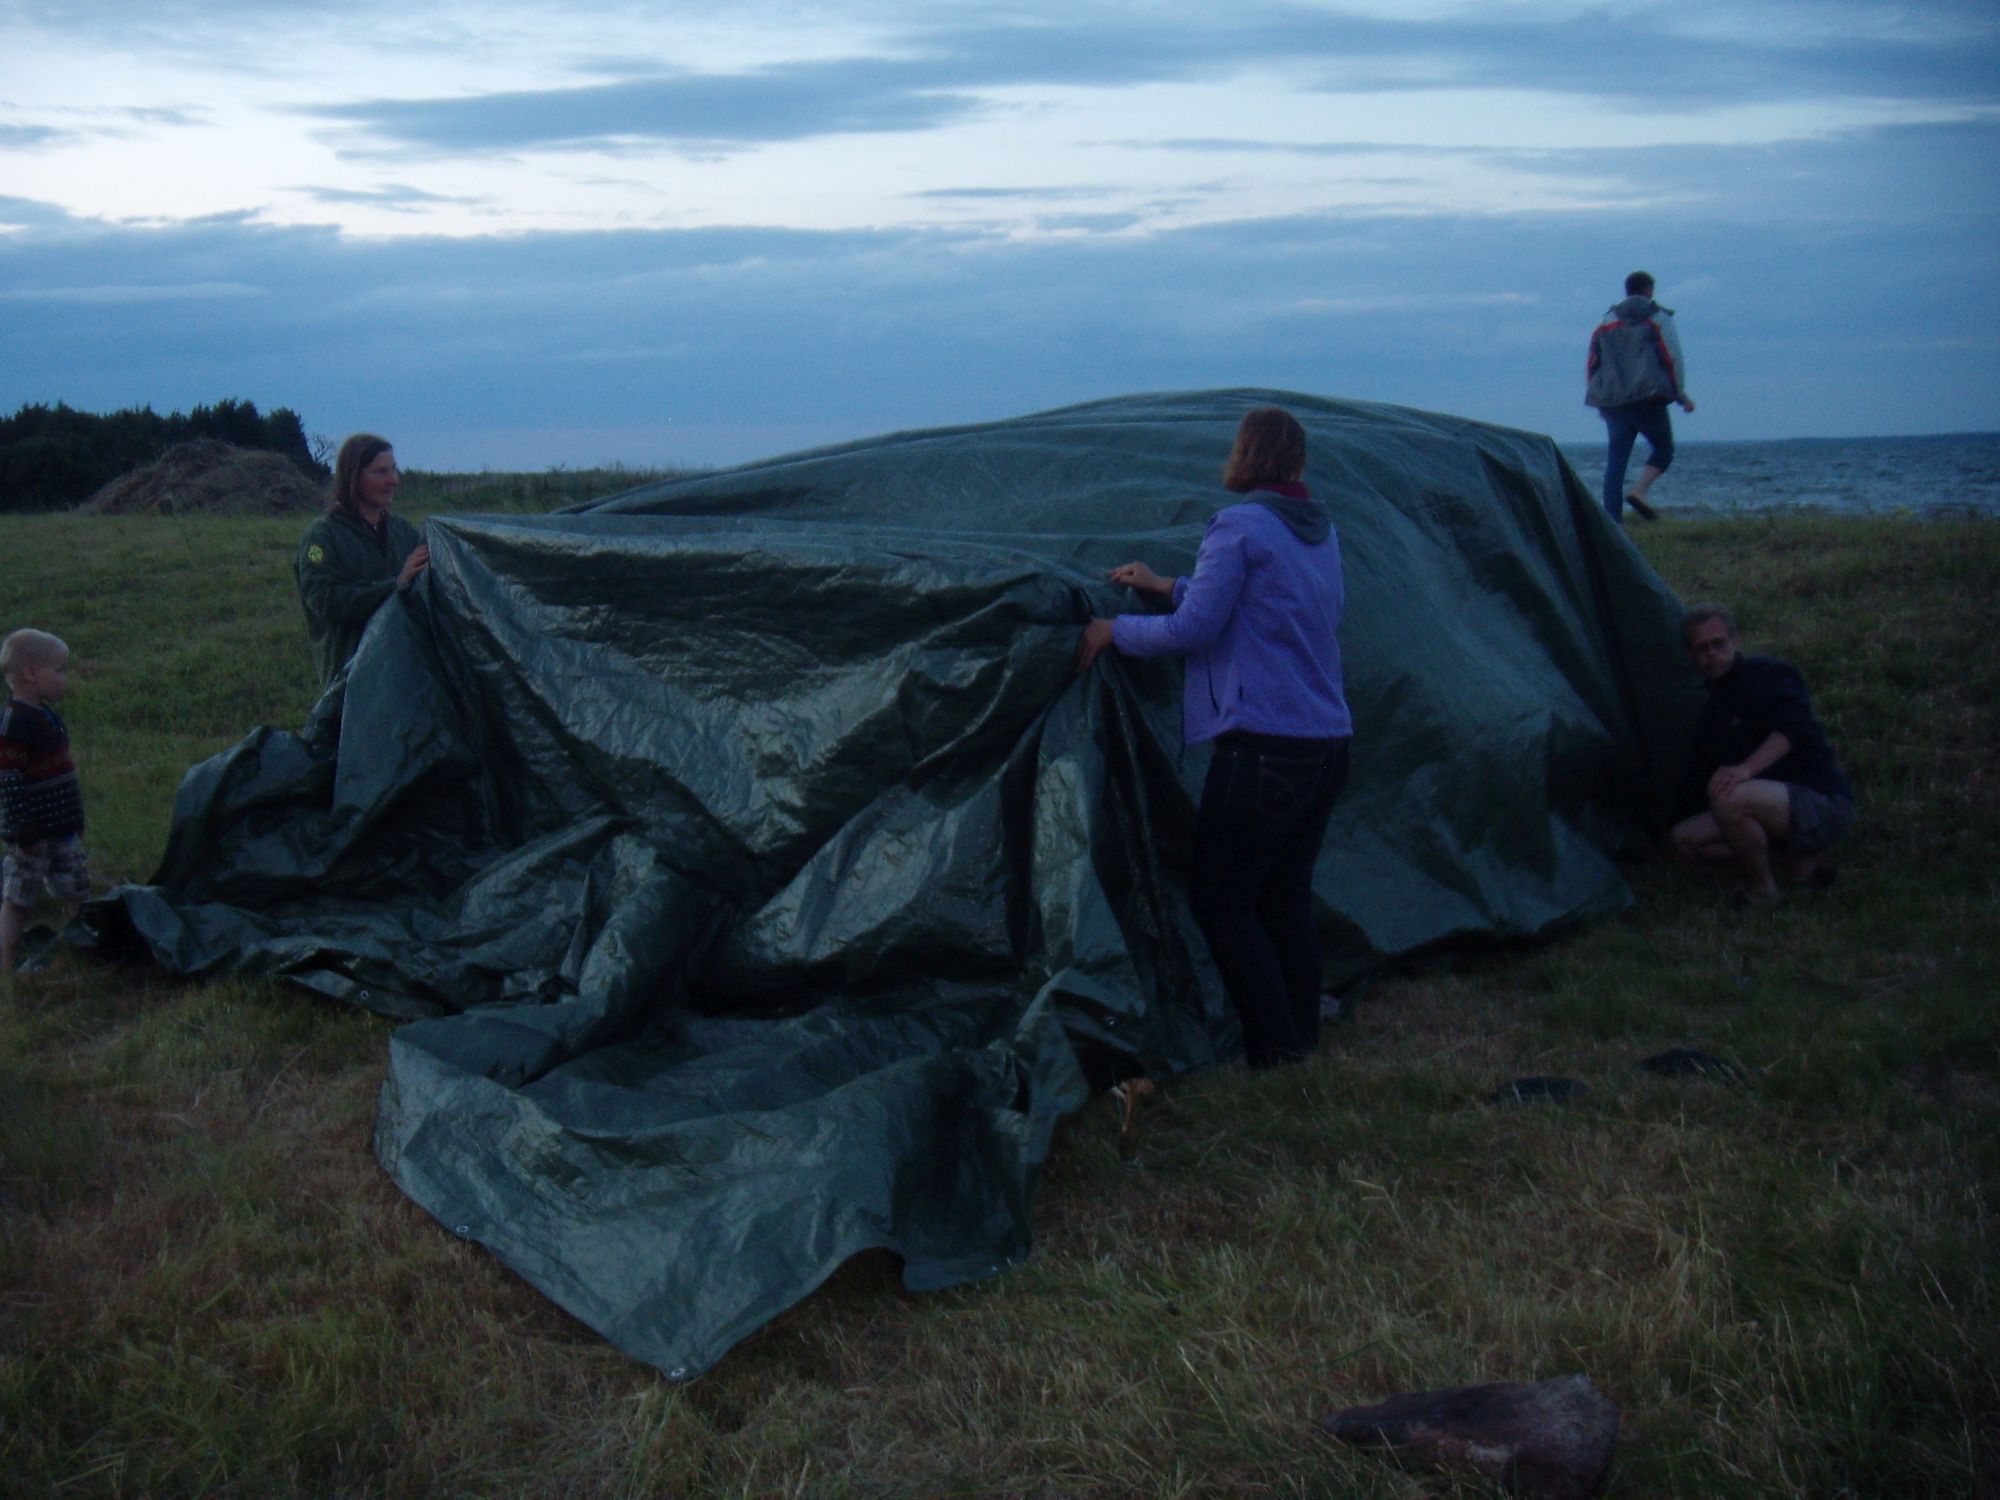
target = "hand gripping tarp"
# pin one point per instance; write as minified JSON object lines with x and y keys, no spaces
{"x":761,"y":883}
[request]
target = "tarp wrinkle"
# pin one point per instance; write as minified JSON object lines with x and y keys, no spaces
{"x":762,"y":886}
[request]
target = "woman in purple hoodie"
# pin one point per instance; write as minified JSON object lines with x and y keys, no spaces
{"x":1258,"y":623}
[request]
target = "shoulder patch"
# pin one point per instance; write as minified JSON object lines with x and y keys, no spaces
{"x":315,"y":553}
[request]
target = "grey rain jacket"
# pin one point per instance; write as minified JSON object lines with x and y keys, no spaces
{"x":1635,"y":355}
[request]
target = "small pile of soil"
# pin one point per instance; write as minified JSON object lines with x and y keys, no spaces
{"x":205,"y":476}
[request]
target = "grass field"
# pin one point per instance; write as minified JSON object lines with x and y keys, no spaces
{"x":208,"y":1287}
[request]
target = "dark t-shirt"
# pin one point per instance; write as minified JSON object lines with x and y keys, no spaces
{"x":1758,"y":695}
{"x":39,"y":795}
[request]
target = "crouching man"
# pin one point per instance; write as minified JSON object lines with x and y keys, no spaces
{"x":1763,"y":790}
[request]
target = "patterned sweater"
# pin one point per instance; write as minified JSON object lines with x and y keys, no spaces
{"x":40,"y":797}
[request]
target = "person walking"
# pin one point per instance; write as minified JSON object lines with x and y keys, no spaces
{"x":1635,"y":372}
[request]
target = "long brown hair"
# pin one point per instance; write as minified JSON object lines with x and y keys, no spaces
{"x":1270,"y":449}
{"x":356,"y":454}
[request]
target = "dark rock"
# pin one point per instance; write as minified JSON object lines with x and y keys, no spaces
{"x":1531,"y":1090}
{"x":1686,"y":1062}
{"x":1548,"y":1441}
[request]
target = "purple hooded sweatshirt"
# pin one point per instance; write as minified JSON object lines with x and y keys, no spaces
{"x":1258,"y":622}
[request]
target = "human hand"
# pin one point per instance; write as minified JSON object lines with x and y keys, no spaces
{"x":415,"y":563}
{"x":1138,"y":576}
{"x":1687,"y":403}
{"x":1727,"y":780}
{"x":1092,"y":643}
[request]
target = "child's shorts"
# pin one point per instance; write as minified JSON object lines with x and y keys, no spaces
{"x":59,"y":864}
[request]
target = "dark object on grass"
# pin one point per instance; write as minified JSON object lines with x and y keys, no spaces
{"x":1534,"y":1090}
{"x":1548,"y":1441}
{"x":1128,"y":1094}
{"x":35,"y":949}
{"x":1686,"y":1062}
{"x":760,"y":878}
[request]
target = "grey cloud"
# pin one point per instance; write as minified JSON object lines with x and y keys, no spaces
{"x":389,"y":195}
{"x":1220,"y":144}
{"x":31,"y":213}
{"x":936,"y":71}
{"x":1594,"y":53}
{"x":1108,"y":223}
{"x":163,"y":115}
{"x":188,"y":291}
{"x":78,"y":125}
{"x":700,"y":110}
{"x":27,"y":137}
{"x":225,"y":216}
{"x":1005,"y":194}
{"x":1940,"y":175}
{"x":778,"y":332}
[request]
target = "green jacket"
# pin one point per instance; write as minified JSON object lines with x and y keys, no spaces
{"x":344,"y":574}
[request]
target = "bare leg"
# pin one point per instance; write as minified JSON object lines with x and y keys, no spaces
{"x":1635,"y":497}
{"x":1750,"y":817}
{"x":1698,"y":841}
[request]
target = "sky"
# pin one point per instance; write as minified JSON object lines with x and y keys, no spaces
{"x":668,"y":234}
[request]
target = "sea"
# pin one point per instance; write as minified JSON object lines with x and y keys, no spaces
{"x":1954,"y":474}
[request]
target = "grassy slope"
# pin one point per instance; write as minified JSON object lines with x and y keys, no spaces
{"x":206,"y":1286}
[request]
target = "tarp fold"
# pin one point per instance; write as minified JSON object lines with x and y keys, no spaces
{"x":762,"y":885}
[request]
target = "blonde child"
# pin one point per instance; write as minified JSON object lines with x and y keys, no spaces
{"x":41,"y":803}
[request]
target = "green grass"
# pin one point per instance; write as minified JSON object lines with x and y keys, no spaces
{"x":1788,"y":1287}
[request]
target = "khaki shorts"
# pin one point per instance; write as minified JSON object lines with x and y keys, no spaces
{"x":1819,"y":821}
{"x":60,"y":865}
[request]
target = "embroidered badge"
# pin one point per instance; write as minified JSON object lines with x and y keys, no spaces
{"x":315,"y":553}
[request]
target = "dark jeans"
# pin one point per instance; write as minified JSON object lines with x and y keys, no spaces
{"x":1625,"y":425}
{"x":1264,"y":810}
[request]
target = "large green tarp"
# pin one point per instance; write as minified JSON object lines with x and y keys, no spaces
{"x":762,"y":885}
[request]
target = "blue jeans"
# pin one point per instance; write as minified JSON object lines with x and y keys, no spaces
{"x":1625,"y":425}
{"x":1264,"y":810}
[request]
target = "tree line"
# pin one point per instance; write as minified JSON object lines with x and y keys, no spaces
{"x":53,"y":457}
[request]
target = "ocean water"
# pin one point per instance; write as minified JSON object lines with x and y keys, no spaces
{"x":1953,"y":474}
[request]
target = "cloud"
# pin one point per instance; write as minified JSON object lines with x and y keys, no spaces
{"x":1221,"y":144}
{"x":27,"y":137}
{"x":24,"y":213}
{"x":1007,"y":194}
{"x":393,"y":195}
{"x":1108,"y":223}
{"x":163,"y":115}
{"x":726,"y":344}
{"x":186,"y":291}
{"x":1666,"y":57}
{"x":698,"y":110}
{"x":922,"y":75}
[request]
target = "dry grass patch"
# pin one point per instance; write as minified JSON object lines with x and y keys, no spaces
{"x":207,"y":1286}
